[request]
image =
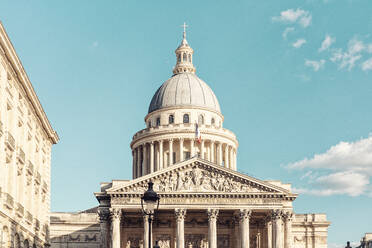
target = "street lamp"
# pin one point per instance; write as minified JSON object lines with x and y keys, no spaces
{"x":150,"y":201}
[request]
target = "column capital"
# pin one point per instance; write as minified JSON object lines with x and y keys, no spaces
{"x":276,"y":214}
{"x":152,"y":142}
{"x":160,"y":141}
{"x":245,"y":214}
{"x":212,"y":214}
{"x":103,"y":214}
{"x":115,"y":213}
{"x":288,"y":216}
{"x":180,"y":214}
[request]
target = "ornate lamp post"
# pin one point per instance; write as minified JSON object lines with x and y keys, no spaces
{"x":150,"y":201}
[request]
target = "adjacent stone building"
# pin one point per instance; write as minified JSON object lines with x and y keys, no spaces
{"x":26,"y":139}
{"x":191,"y":159}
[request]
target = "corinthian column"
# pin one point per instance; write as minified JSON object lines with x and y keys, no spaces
{"x":245,"y":215}
{"x":288,"y":216}
{"x":144,"y":164}
{"x":181,"y":149}
{"x":202,"y":150}
{"x":171,"y":152}
{"x":212,"y":152}
{"x":180,"y":218}
{"x":161,"y":154}
{"x":115,"y":220}
{"x":227,"y":165}
{"x":269,"y":227}
{"x":104,"y":214}
{"x":139,"y":171}
{"x":277,"y":228}
{"x":212,"y":227}
{"x":219,"y":153}
{"x":152,"y":158}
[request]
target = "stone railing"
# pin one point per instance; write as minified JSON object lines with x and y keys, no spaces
{"x":37,"y":224}
{"x":20,"y":210}
{"x":29,"y":217}
{"x":9,"y":201}
{"x":10,"y":141}
{"x":45,"y":186}
{"x":21,"y":156}
{"x":30,"y":168}
{"x":1,"y":129}
{"x":38,"y":178}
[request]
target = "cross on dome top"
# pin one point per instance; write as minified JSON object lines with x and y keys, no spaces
{"x":184,"y":56}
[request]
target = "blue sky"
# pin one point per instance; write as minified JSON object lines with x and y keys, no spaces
{"x":293,"y":78}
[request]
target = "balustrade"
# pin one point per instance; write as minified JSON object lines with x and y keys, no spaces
{"x":10,"y":141}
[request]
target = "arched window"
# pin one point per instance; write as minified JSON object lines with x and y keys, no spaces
{"x":212,"y":121}
{"x":149,"y":124}
{"x":17,"y":242}
{"x":201,"y":120}
{"x":171,"y":119}
{"x":158,"y":121}
{"x":178,"y":58}
{"x":190,"y":58}
{"x":184,"y":57}
{"x":26,"y":244}
{"x":186,"y":118}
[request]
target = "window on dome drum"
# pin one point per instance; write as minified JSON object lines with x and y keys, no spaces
{"x":178,"y":58}
{"x":171,"y":119}
{"x":186,"y":118}
{"x":149,"y":124}
{"x":158,"y":121}
{"x":212,"y":121}
{"x":190,"y":58}
{"x":201,"y":120}
{"x":184,"y":57}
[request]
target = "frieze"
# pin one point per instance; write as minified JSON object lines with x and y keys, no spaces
{"x":184,"y":200}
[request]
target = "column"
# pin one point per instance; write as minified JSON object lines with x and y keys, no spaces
{"x":269,"y":227}
{"x":202,"y":149}
{"x":181,"y":149}
{"x":212,"y":152}
{"x":219,"y":153}
{"x":152,"y":158}
{"x":134,"y":164}
{"x":161,"y":159}
{"x":104,"y":214}
{"x":192,"y":148}
{"x":115,"y":220}
{"x":231,"y":158}
{"x":237,"y":243}
{"x":144,"y":164}
{"x":180,"y":218}
{"x":227,"y":165}
{"x":171,"y":152}
{"x":146,"y":231}
{"x":139,"y":161}
{"x":212,"y":227}
{"x":288,"y":229}
{"x":277,"y":226}
{"x":245,"y":215}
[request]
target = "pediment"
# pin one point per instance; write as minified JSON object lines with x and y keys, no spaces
{"x":198,"y":176}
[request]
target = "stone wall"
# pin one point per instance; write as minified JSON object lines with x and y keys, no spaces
{"x":75,"y":230}
{"x":310,"y":230}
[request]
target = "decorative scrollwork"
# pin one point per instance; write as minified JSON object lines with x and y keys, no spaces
{"x":180,"y":214}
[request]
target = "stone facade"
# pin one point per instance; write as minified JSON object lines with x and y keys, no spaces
{"x":26,"y":139}
{"x":204,"y":202}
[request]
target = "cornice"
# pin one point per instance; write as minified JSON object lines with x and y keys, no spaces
{"x":22,"y":77}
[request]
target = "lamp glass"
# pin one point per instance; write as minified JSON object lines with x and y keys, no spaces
{"x":150,"y":206}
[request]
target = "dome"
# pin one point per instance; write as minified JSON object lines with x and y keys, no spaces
{"x":184,"y":90}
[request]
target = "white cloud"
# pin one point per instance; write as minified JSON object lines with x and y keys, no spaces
{"x":287,"y":31}
{"x":299,"y":16}
{"x":349,"y":57}
{"x":351,"y":163}
{"x":369,"y":48}
{"x":298,"y":43}
{"x":367,"y":65}
{"x":316,"y":65}
{"x":327,"y":42}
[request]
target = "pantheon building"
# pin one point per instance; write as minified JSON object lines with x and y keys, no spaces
{"x":204,"y":201}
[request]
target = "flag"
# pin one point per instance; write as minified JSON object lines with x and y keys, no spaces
{"x":197,"y":133}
